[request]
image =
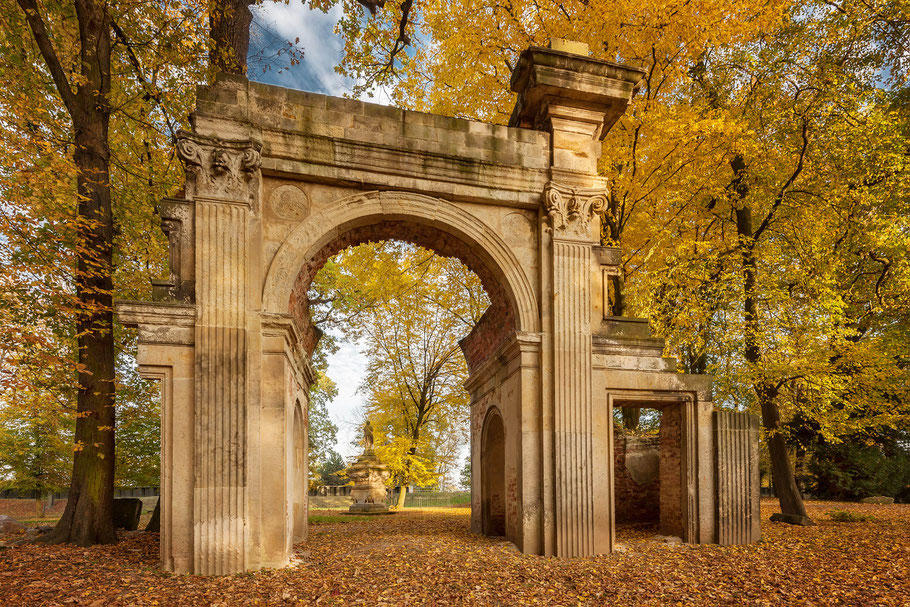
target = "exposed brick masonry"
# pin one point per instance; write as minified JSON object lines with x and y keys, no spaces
{"x":671,"y":522}
{"x":635,"y":503}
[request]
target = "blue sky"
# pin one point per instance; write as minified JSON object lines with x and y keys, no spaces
{"x":276,"y":23}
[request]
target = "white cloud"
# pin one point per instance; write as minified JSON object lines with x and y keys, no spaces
{"x":347,"y":368}
{"x":277,"y":23}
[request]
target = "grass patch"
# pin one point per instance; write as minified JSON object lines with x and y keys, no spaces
{"x":38,"y":522}
{"x":847,"y":516}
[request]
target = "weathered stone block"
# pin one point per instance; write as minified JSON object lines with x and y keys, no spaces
{"x":877,"y":499}
{"x":127,"y":511}
{"x":10,"y":525}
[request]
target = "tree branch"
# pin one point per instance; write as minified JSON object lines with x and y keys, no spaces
{"x":150,"y":91}
{"x":46,"y":47}
{"x":783,"y":191}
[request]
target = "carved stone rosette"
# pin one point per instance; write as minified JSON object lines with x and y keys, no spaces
{"x":571,"y":209}
{"x":219,"y":168}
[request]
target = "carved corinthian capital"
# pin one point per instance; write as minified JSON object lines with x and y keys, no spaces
{"x":219,"y":168}
{"x":571,"y":209}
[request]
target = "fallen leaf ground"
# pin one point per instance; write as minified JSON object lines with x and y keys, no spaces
{"x":430,"y":557}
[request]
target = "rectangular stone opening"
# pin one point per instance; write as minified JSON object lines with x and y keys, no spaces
{"x":648,"y":474}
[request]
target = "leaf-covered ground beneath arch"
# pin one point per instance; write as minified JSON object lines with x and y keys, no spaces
{"x":430,"y":557}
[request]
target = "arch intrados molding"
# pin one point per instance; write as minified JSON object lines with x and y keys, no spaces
{"x":315,"y":231}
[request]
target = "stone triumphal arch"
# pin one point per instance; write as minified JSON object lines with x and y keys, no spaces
{"x":278,"y":180}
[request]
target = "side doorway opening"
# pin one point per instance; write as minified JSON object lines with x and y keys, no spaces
{"x":649,"y":478}
{"x":492,"y":475}
{"x":299,"y":471}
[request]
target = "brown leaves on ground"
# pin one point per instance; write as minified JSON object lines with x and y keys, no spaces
{"x":430,"y":557}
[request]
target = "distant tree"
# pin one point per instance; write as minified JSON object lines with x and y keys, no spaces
{"x":138,"y":448}
{"x":409,"y":308}
{"x":330,"y":469}
{"x":855,"y":469}
{"x":465,"y":478}
{"x":35,"y":445}
{"x":323,"y":433}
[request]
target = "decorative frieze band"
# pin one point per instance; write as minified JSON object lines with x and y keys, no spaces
{"x":571,"y":209}
{"x":219,"y":168}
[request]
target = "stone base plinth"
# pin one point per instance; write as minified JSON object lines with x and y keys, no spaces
{"x":369,"y":476}
{"x":369,"y":509}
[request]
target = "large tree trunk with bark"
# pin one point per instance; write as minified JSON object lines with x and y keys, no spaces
{"x":791,"y":502}
{"x":87,"y":518}
{"x":229,"y":23}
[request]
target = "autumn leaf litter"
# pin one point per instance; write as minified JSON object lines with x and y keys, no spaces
{"x":430,"y":557}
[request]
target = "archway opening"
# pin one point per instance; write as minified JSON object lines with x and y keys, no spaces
{"x":427,"y":315}
{"x":492,"y":477}
{"x":497,"y":323}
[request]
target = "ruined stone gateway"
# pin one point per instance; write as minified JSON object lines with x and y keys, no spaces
{"x":279,"y":180}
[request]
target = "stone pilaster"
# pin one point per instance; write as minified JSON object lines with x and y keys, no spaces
{"x":570,"y":212}
{"x":737,"y":475}
{"x":222,"y":178}
{"x":576,"y":99}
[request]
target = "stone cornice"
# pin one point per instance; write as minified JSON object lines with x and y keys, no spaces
{"x":169,"y":323}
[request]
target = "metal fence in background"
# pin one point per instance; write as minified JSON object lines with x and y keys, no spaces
{"x":431,"y":499}
{"x":26,"y":494}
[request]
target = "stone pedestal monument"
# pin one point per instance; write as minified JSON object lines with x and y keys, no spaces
{"x":369,"y":476}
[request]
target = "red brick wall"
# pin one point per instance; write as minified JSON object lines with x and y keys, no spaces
{"x":634,"y":503}
{"x":670,"y":472}
{"x":494,"y":326}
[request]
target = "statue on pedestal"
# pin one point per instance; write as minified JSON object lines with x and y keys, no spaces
{"x":368,"y":437}
{"x":369,"y":476}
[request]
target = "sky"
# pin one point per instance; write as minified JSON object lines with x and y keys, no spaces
{"x":274,"y":24}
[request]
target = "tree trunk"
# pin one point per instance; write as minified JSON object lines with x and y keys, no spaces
{"x":791,"y":502}
{"x":87,"y":518}
{"x":229,"y":30}
{"x":630,"y":417}
{"x":618,"y":301}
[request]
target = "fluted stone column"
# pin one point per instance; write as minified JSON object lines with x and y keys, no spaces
{"x":222,"y":179}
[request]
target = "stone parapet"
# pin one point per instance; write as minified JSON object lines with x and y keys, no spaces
{"x":348,"y":141}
